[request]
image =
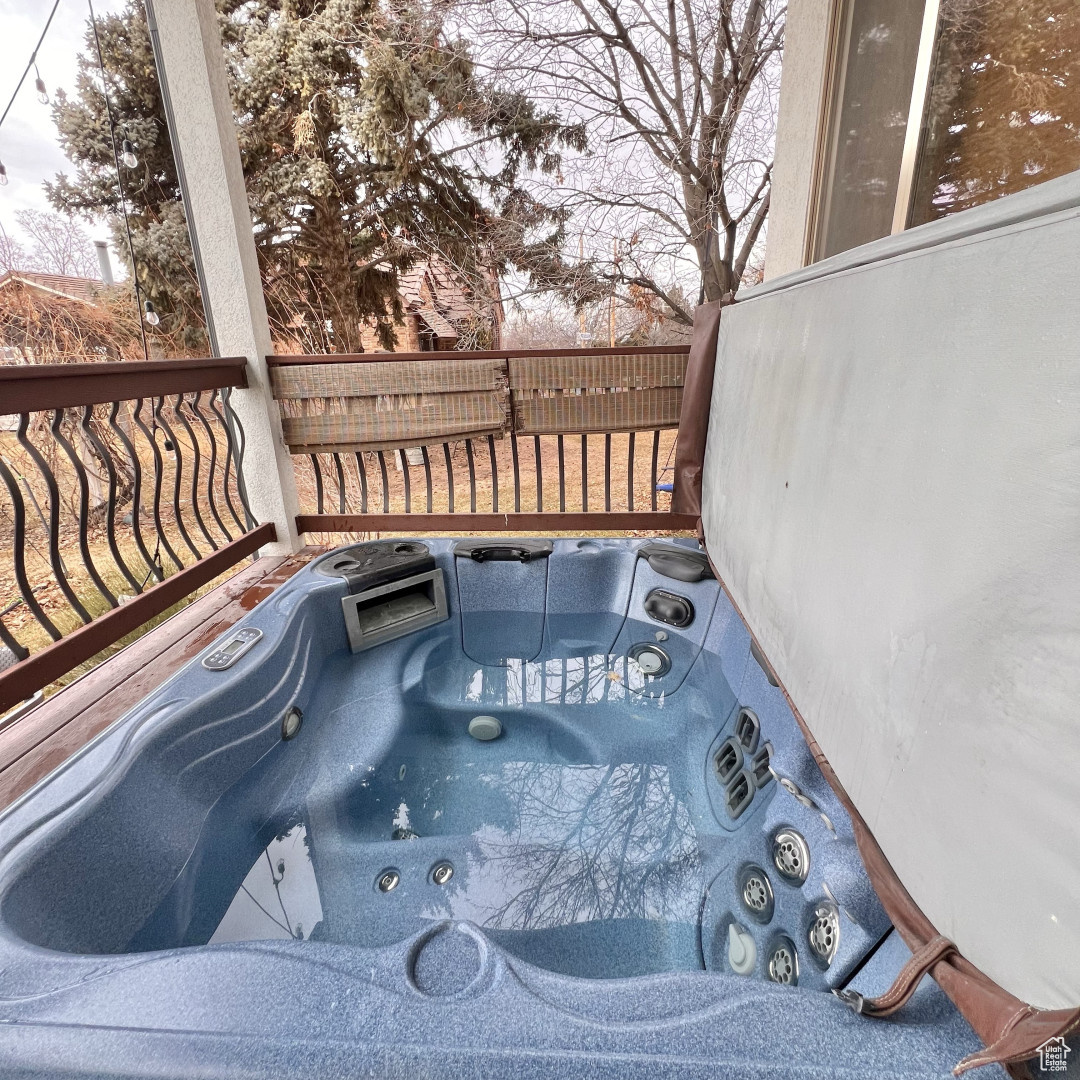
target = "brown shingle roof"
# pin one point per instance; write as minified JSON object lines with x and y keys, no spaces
{"x":82,"y":289}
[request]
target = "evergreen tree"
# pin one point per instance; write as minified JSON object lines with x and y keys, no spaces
{"x":368,"y":139}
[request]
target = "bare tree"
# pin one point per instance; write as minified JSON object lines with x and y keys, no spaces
{"x":550,"y":322}
{"x":59,"y":245}
{"x":12,"y":254}
{"x":679,"y":102}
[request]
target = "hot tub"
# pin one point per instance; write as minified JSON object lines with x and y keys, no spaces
{"x":443,"y":808}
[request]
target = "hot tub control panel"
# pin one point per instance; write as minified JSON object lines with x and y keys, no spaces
{"x":224,"y":656}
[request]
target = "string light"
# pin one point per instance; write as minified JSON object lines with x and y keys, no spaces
{"x":150,"y":315}
{"x":127,"y":154}
{"x":43,"y":94}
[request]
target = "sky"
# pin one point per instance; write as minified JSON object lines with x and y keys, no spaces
{"x":28,"y":140}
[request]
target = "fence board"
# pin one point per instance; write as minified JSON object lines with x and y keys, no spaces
{"x":392,"y":421}
{"x":628,"y":410}
{"x":636,"y":371}
{"x":387,"y":377}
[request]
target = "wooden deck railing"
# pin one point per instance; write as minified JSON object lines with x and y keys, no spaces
{"x":83,"y":449}
{"x":521,"y":441}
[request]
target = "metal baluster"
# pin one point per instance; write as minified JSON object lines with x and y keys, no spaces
{"x":449,"y":477}
{"x":630,"y":472}
{"x":84,"y":507}
{"x":494,"y":475}
{"x":405,"y":477}
{"x":539,"y":475}
{"x":340,"y":483}
{"x":427,"y":475}
{"x":517,"y":473}
{"x":20,"y":652}
{"x":562,"y":477}
{"x":158,"y":477}
{"x":238,"y":449}
{"x":110,"y":506}
{"x":214,"y":397}
{"x":585,"y":473}
{"x":196,"y":459}
{"x":607,"y":472}
{"x":363,"y":480}
{"x":655,"y":460}
{"x":152,"y":562}
{"x":18,"y":554}
{"x":211,"y":468}
{"x":385,"y":483}
{"x":472,"y":476}
{"x":178,"y":473}
{"x":320,"y":494}
{"x":54,"y":518}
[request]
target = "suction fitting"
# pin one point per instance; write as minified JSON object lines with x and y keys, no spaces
{"x":485,"y":728}
{"x":783,"y":963}
{"x":290,"y":723}
{"x":824,"y":932}
{"x":756,"y":893}
{"x":650,"y":658}
{"x":791,"y":856}
{"x":742,"y":952}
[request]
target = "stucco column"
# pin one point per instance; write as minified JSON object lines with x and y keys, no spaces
{"x":191,"y":69}
{"x":807,"y":37}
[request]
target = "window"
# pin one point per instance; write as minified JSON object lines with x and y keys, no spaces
{"x":880,"y":44}
{"x":995,"y":88}
{"x":1003,"y":107}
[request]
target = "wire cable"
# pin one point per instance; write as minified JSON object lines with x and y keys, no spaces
{"x":30,"y":63}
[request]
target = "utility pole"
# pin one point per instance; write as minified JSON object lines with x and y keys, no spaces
{"x":611,"y":306}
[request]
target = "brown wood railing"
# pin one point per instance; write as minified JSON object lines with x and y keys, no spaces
{"x":497,"y":440}
{"x":83,"y":449}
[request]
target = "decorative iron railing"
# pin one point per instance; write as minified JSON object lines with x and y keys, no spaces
{"x":486,"y":441}
{"x":124,"y":494}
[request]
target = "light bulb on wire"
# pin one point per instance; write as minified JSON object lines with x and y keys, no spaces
{"x":127,"y":154}
{"x":3,"y":175}
{"x":39,"y":83}
{"x":150,"y":315}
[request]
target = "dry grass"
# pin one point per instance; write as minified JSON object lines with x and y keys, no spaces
{"x":574,"y":498}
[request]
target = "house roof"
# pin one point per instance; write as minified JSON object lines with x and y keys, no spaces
{"x":83,"y":289}
{"x":433,"y":285}
{"x":437,"y":323}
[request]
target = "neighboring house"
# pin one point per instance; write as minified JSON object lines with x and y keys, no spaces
{"x":441,"y":310}
{"x":83,"y":289}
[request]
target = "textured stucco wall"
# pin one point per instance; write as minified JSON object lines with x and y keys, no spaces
{"x":892,"y":497}
{"x":204,"y":128}
{"x":806,"y":41}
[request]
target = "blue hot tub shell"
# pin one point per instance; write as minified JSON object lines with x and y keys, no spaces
{"x":195,"y":895}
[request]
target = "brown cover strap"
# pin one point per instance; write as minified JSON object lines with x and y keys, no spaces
{"x":694,"y":411}
{"x":905,"y":984}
